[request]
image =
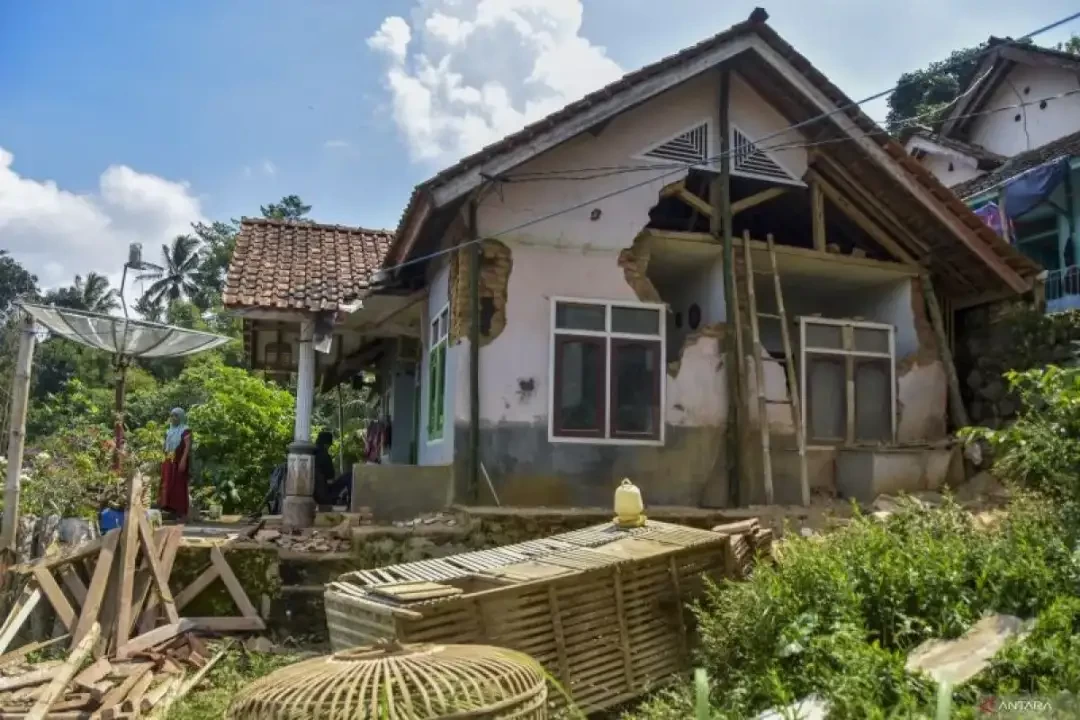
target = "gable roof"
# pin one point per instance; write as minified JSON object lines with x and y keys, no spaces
{"x":984,"y":159}
{"x":1002,"y":56}
{"x":1067,"y":146}
{"x":959,"y":239}
{"x":291,"y":265}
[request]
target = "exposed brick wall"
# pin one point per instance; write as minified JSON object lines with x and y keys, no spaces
{"x":496,"y":265}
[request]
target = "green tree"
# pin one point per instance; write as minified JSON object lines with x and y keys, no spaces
{"x":218,"y":240}
{"x":1072,"y":45}
{"x":148,"y":309}
{"x":92,"y":295}
{"x":176,"y":281}
{"x":920,"y":93}
{"x":290,"y":207}
{"x":15,"y":282}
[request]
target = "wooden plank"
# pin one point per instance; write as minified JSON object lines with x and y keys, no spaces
{"x":757,"y":199}
{"x":224,"y":624}
{"x":34,"y":677}
{"x":759,"y":368}
{"x":28,"y":600}
{"x":62,"y":677}
{"x":861,"y":219}
{"x":116,"y":696}
{"x":79,"y":553}
{"x":624,"y":635}
{"x":144,"y":577}
{"x":155,"y":694}
{"x":817,"y":215}
{"x":133,"y":702}
{"x":161,"y":580}
{"x":129,"y":550}
{"x":848,"y":334}
{"x":73,"y":583}
{"x":956,"y":401}
{"x":695,"y":202}
{"x":98,"y":583}
{"x":789,"y":368}
{"x":150,"y":639}
{"x":168,"y":558}
{"x":95,"y":672}
{"x":14,"y":656}
{"x":203,"y":581}
{"x":56,"y":597}
{"x":232,"y":584}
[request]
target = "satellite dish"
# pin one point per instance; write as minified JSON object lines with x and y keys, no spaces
{"x":126,"y":339}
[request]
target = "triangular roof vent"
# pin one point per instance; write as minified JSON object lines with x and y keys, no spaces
{"x":749,"y":160}
{"x":689,"y":146}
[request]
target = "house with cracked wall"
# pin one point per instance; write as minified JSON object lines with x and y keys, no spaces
{"x":563,"y":315}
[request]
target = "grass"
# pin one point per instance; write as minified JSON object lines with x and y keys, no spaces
{"x":234,"y":671}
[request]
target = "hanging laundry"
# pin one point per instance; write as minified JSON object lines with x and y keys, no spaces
{"x":990,"y":214}
{"x":1027,"y":190}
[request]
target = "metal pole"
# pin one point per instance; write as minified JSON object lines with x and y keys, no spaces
{"x":20,"y":396}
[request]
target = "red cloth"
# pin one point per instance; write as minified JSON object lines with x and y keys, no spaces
{"x":173,"y":494}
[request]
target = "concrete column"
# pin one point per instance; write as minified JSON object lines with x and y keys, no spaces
{"x":305,"y":383}
{"x":298,"y":507}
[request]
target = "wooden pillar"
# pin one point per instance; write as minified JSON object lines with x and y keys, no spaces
{"x":20,"y":396}
{"x":817,"y":214}
{"x":956,"y":401}
{"x":475,"y":254}
{"x":721,"y":222}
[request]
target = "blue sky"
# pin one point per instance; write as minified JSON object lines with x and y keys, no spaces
{"x":122,"y":120}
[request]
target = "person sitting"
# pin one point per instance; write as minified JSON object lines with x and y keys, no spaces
{"x":328,"y":490}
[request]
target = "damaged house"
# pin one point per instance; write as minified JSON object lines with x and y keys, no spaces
{"x":594,"y":297}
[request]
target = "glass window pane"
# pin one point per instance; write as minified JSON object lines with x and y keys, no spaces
{"x":642,"y":321}
{"x":870,"y":340}
{"x":635,"y":391}
{"x":824,"y":336}
{"x":575,"y":316}
{"x":826,"y":398}
{"x":873,"y":401}
{"x":579,"y":386}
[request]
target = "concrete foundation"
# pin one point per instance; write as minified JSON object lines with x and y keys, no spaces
{"x":298,"y":507}
{"x":863,"y":474}
{"x":528,"y":470}
{"x":401,"y":492}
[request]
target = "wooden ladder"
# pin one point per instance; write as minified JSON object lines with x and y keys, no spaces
{"x":756,"y":351}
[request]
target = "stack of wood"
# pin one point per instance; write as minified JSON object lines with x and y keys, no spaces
{"x":112,"y":595}
{"x":143,"y":685}
{"x":746,"y":541}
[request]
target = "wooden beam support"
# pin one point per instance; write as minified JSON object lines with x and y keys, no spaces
{"x":956,"y":400}
{"x":860,"y":218}
{"x":98,"y":584}
{"x":817,"y":214}
{"x":56,"y":597}
{"x":757,"y":199}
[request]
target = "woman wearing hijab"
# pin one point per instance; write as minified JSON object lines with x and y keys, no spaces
{"x":173,"y":495}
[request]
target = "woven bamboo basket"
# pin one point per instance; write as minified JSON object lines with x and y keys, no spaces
{"x":396,"y":682}
{"x":603,"y":609}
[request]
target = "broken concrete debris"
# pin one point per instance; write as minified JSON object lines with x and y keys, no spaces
{"x":809,"y":708}
{"x":957,"y":661}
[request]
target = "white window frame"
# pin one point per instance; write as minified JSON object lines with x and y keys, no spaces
{"x":608,"y":335}
{"x":434,"y":343}
{"x":845,"y":353}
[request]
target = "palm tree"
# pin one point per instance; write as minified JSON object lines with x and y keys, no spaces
{"x":92,"y":294}
{"x":151,"y":311}
{"x":176,"y":280}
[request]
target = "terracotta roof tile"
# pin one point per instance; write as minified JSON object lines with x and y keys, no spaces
{"x":1066,"y":146}
{"x":291,"y":265}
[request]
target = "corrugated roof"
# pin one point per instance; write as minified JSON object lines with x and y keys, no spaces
{"x":291,"y":265}
{"x":1066,"y":146}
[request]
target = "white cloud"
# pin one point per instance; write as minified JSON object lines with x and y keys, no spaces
{"x":269,"y":168}
{"x":465,"y":73}
{"x":57,"y":233}
{"x":337,"y":144}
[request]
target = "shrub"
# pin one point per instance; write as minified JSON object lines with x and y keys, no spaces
{"x":836,"y":616}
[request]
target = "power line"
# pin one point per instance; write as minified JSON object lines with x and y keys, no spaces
{"x":712,"y":160}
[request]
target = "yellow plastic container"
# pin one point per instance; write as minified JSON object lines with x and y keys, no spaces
{"x":629,"y":507}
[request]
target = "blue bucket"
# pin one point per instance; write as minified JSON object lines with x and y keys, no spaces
{"x":110,"y":519}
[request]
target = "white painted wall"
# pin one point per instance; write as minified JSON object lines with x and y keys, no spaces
{"x":438,"y":452}
{"x":960,"y":172}
{"x":627,"y":135}
{"x":1001,"y":133}
{"x":759,"y":120}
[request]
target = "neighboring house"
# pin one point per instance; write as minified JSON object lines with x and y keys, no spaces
{"x":1010,"y":148}
{"x":588,"y":336}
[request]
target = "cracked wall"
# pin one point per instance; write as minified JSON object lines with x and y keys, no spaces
{"x":496,"y":264}
{"x":921,"y":392}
